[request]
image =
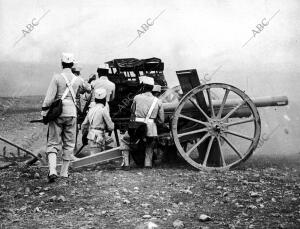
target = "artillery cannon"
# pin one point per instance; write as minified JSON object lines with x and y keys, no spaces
{"x":213,"y":126}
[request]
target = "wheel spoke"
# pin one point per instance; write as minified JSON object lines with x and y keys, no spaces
{"x":232,"y":146}
{"x":192,"y":119}
{"x":239,"y":122}
{"x":199,"y":108}
{"x":223,"y":103}
{"x":192,"y":132}
{"x":233,"y":110}
{"x":208,"y":150}
{"x":198,"y":143}
{"x":238,"y":135}
{"x":221,"y":151}
{"x":210,"y":103}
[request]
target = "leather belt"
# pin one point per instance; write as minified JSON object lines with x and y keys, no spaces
{"x":150,"y":120}
{"x":97,"y":129}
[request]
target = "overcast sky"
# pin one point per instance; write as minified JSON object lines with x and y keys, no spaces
{"x":206,"y":35}
{"x":201,"y":34}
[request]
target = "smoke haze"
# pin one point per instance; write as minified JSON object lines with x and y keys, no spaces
{"x":188,"y":34}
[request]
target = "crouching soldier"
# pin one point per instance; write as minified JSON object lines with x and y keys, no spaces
{"x":96,"y":123}
{"x":149,"y":110}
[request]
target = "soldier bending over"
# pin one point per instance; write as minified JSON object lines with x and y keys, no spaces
{"x":96,"y":122}
{"x":149,"y":110}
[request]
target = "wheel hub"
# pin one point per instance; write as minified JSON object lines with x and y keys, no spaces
{"x":216,"y":127}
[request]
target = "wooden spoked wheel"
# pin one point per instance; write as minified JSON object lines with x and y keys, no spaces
{"x":216,"y":126}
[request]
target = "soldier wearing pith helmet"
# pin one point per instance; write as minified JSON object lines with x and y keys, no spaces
{"x":76,"y":70}
{"x":148,"y":109}
{"x":103,"y":82}
{"x":62,"y":131}
{"x":96,"y":123}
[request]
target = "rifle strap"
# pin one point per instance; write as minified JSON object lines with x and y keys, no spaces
{"x":151,"y":109}
{"x":69,"y":88}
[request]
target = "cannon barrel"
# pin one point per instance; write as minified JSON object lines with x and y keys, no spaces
{"x":243,"y":111}
{"x":231,"y":103}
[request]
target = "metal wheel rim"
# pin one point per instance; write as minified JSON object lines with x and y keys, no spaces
{"x":245,"y":98}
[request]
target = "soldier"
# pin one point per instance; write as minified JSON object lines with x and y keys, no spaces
{"x":148,"y":109}
{"x":104,"y":82}
{"x":96,"y":122}
{"x":76,"y":69}
{"x":62,"y":131}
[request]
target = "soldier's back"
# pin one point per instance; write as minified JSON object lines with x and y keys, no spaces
{"x":143,"y":103}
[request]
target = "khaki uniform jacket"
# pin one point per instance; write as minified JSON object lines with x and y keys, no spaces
{"x":140,"y":107}
{"x":58,"y":86}
{"x":96,"y":122}
{"x":104,"y":82}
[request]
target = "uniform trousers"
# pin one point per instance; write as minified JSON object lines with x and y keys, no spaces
{"x":62,"y":134}
{"x":96,"y":141}
{"x":125,"y":148}
{"x":150,"y":142}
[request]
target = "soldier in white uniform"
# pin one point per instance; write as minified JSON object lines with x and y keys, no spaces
{"x":96,"y":123}
{"x":103,"y":82}
{"x":142,"y":112}
{"x":76,"y":70}
{"x":62,"y":131}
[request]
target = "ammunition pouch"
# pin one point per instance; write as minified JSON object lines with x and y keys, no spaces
{"x":54,"y":111}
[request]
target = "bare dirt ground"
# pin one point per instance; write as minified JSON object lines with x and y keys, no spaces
{"x":262,"y":193}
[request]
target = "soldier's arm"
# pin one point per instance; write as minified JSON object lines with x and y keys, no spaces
{"x":92,"y":87}
{"x":109,"y":123}
{"x":133,"y":107}
{"x":50,"y":95}
{"x":113,"y":93}
{"x":84,"y":86}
